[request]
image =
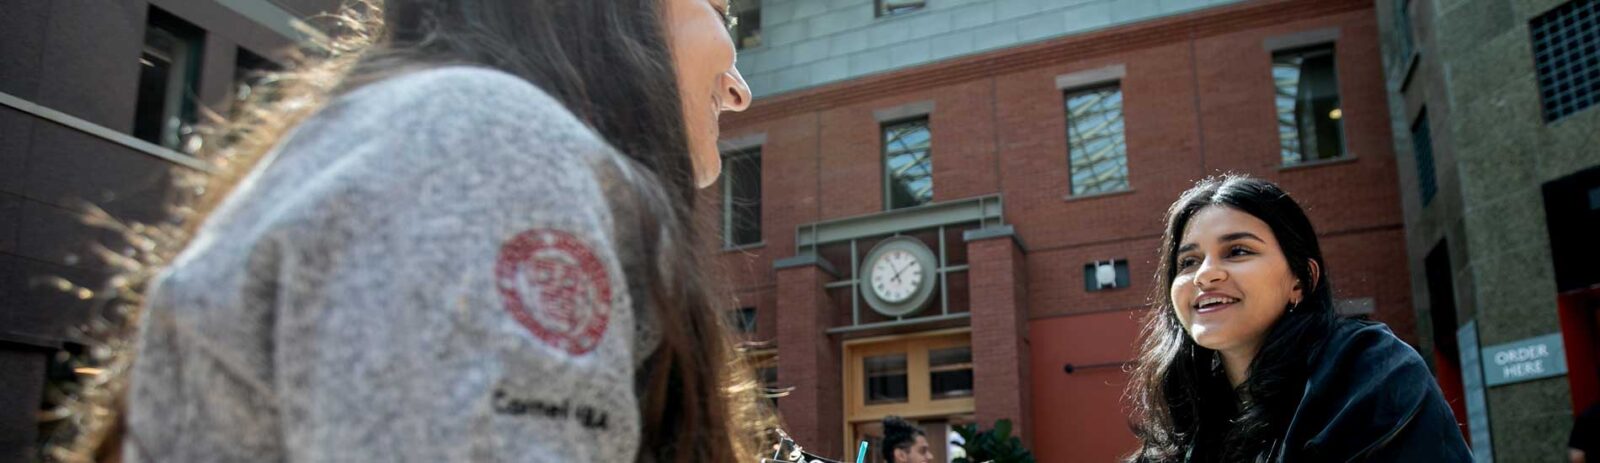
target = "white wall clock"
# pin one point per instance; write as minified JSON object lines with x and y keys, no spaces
{"x":898,"y":275}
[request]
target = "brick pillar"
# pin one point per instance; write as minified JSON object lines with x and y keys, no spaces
{"x":998,"y":282}
{"x":808,"y":361}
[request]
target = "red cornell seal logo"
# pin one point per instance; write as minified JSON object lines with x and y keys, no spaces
{"x":556,"y":288}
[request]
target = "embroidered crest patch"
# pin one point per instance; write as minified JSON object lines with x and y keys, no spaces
{"x":555,"y":286}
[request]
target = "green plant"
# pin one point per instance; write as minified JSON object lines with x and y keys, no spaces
{"x":995,"y":445}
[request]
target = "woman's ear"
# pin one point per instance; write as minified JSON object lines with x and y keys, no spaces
{"x":1316,"y":277}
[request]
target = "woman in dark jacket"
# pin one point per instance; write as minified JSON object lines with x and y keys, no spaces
{"x":1244,"y":359}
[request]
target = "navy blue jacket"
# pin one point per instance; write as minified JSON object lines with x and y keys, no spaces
{"x":1370,"y":397}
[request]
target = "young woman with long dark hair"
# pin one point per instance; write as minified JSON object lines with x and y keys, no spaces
{"x":465,"y":236}
{"x":1243,"y":358}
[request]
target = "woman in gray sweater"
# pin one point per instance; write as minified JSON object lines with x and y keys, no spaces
{"x":473,"y":244}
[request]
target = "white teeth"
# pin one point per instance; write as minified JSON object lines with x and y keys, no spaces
{"x":1209,"y":301}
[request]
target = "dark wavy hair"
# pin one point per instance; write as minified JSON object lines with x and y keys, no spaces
{"x":1183,"y":405}
{"x":898,"y":434}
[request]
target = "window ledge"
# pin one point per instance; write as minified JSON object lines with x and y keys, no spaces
{"x":745,"y":247}
{"x":1097,"y":195}
{"x":1318,"y":163}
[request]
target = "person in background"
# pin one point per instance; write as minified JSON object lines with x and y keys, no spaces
{"x":904,"y":442}
{"x":464,"y":237}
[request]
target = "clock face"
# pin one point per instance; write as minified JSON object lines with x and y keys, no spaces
{"x":896,"y":276}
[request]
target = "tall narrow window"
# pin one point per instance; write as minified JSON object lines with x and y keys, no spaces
{"x":169,"y":74}
{"x":1310,"y":121}
{"x":1422,"y":147}
{"x":1402,"y":24}
{"x":741,"y":198}
{"x":907,"y":164}
{"x":747,"y":28}
{"x":899,"y":7}
{"x":1566,"y":56}
{"x":1097,"y":151}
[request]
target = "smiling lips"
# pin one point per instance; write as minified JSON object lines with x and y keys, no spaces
{"x":1213,"y":303}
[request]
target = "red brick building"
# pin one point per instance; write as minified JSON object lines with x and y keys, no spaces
{"x":1016,"y":295}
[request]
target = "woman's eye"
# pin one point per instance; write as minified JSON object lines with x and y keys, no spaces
{"x":1239,"y":251}
{"x":1187,"y":262}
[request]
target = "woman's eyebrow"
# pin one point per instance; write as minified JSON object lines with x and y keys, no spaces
{"x":1237,"y":236}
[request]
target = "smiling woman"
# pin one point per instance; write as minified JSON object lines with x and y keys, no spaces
{"x":1243,"y":359}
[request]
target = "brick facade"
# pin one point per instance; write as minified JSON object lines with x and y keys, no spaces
{"x":1197,"y":100}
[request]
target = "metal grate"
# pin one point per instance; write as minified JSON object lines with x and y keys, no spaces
{"x":1565,"y":56}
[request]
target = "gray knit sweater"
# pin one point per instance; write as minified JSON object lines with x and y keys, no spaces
{"x":429,"y":269}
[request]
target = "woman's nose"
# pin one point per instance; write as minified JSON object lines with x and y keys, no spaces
{"x":1209,"y":274}
{"x":736,"y":96}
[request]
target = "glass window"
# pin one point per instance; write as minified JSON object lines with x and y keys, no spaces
{"x":169,"y":73}
{"x":897,"y":7}
{"x":1565,"y":56}
{"x":886,"y":378}
{"x":744,"y":319}
{"x":249,"y":71}
{"x":1310,"y":121}
{"x":747,"y":28}
{"x":1097,"y":151}
{"x":1422,"y":147}
{"x":1402,"y":19}
{"x":908,"y":164}
{"x":741,"y":198}
{"x":950,"y":372}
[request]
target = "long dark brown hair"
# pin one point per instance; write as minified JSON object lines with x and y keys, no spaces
{"x":1183,"y":405}
{"x":610,"y":64}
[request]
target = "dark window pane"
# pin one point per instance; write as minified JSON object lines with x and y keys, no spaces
{"x":165,"y":111}
{"x":249,"y":72}
{"x":950,"y":372}
{"x":894,"y":7}
{"x":747,"y":34}
{"x":886,"y":378}
{"x":908,"y":163}
{"x":744,"y":319}
{"x":1310,"y":121}
{"x":742,"y":197}
{"x":1096,"y":148}
{"x":1422,"y":147}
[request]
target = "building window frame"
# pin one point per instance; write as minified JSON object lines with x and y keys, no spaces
{"x":887,"y":154}
{"x":1563,"y":45}
{"x":1298,"y":154}
{"x":1423,"y":151}
{"x":739,"y":163}
{"x":166,"y":113}
{"x":1119,"y":145}
{"x":746,"y":31}
{"x":920,"y":402}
